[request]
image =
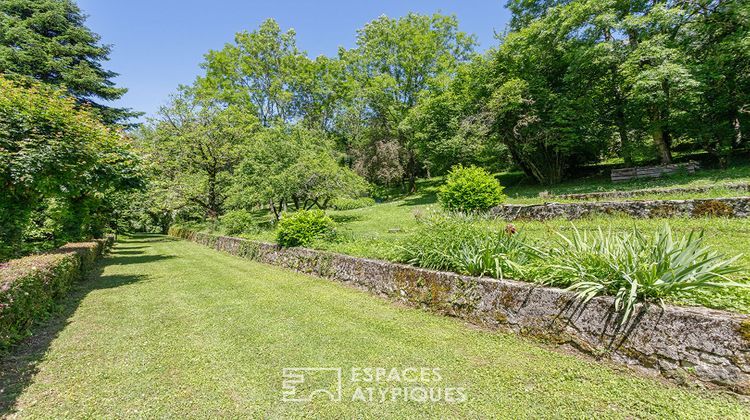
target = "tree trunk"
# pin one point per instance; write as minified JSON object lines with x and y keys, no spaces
{"x":661,"y":140}
{"x":412,"y":168}
{"x":737,"y":131}
{"x":213,"y":207}
{"x":625,"y":147}
{"x":273,"y":209}
{"x":295,"y":199}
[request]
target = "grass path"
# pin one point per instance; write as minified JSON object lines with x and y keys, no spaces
{"x":172,"y":329}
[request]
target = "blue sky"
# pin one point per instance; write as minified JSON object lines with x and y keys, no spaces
{"x":159,"y":44}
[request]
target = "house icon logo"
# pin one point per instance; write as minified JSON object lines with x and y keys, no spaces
{"x":305,"y":384}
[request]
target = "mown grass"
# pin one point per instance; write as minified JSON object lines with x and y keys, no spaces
{"x":173,"y":329}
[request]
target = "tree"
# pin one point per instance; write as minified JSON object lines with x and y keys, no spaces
{"x":525,"y":11}
{"x":664,"y":91}
{"x":260,"y":71}
{"x":193,"y":149}
{"x":717,"y":41}
{"x":48,"y":40}
{"x":58,"y":166}
{"x":443,"y":127}
{"x":394,"y":63}
{"x":535,"y":105}
{"x":619,"y":68}
{"x":294,"y":165}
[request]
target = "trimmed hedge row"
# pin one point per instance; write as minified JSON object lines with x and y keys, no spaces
{"x":31,"y":287}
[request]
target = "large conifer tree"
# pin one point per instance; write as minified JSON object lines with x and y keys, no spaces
{"x":47,"y":40}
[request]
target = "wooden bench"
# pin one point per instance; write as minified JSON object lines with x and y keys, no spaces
{"x":626,"y":174}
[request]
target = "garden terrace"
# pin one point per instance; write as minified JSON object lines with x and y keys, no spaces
{"x":712,"y":344}
{"x":742,"y":188}
{"x":168,"y":328}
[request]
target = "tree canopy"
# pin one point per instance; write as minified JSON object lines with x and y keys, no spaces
{"x":59,"y":167}
{"x":47,"y":40}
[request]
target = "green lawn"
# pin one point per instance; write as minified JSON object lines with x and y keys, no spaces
{"x":172,"y":329}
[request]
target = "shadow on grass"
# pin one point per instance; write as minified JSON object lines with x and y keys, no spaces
{"x":340,"y":218}
{"x":19,"y":366}
{"x":128,"y":252}
{"x":420,"y":200}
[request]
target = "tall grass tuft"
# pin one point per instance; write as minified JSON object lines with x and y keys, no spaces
{"x":634,"y":267}
{"x":463,"y":244}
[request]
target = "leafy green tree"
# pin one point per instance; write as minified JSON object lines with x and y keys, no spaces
{"x":294,"y":165}
{"x":58,"y":167}
{"x":718,"y":41}
{"x":193,"y":148}
{"x":260,"y":71}
{"x":444,"y":125}
{"x":48,"y":40}
{"x":525,"y":11}
{"x":536,"y":108}
{"x":395,"y":62}
{"x":616,"y":70}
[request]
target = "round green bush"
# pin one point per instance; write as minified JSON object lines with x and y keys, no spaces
{"x":470,"y":189}
{"x":303,"y":227}
{"x":238,"y":221}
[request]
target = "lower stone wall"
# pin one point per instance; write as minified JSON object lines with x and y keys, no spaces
{"x":716,"y":207}
{"x":694,"y":345}
{"x":649,"y":191}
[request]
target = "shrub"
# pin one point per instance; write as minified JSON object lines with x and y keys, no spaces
{"x":303,"y":227}
{"x":31,"y":287}
{"x":352,"y":203}
{"x":462,"y":245}
{"x":470,"y":189}
{"x":238,"y":221}
{"x":634,"y":267}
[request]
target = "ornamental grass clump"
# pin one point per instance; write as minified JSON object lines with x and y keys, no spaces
{"x":464,"y":245}
{"x":634,"y":267}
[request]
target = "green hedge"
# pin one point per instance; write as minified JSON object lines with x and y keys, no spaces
{"x":303,"y":227}
{"x":31,"y":287}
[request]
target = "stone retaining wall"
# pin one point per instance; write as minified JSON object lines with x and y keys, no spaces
{"x":636,"y":193}
{"x":718,"y":207}
{"x":687,"y":345}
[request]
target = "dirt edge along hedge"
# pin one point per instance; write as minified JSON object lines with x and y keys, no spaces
{"x":31,"y":287}
{"x":686,"y":345}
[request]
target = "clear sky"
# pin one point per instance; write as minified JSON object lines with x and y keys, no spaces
{"x":159,"y":44}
